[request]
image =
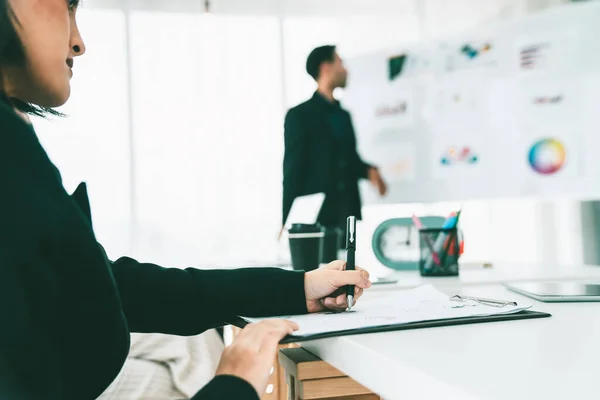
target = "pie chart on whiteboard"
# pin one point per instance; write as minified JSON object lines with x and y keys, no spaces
{"x":547,"y":156}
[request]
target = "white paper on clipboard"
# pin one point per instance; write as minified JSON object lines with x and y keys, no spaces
{"x":424,"y":303}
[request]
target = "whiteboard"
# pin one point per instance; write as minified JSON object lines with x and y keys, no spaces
{"x":510,"y":110}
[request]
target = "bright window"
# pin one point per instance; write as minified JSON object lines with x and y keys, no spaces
{"x":208,"y":135}
{"x":92,"y":143}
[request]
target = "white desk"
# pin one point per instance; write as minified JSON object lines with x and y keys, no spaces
{"x":547,"y":359}
{"x":498,"y":274}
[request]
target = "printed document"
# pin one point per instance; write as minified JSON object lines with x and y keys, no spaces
{"x":424,"y":303}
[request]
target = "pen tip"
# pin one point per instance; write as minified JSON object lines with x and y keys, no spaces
{"x":350,"y":302}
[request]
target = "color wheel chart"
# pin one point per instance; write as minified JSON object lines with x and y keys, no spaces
{"x":547,"y":156}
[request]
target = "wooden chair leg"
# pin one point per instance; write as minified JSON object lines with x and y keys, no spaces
{"x":282,"y":391}
{"x":291,"y":386}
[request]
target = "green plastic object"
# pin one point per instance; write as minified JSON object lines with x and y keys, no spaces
{"x":404,"y":265}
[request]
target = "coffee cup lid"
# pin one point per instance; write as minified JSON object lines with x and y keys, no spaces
{"x":305,"y":228}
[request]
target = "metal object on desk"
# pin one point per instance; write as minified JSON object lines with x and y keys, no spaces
{"x":484,"y":301}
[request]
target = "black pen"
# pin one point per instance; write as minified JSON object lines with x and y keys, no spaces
{"x":350,"y":249}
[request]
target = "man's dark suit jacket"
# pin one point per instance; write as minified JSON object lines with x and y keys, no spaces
{"x":310,"y":163}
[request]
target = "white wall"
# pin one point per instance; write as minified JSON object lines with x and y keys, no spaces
{"x":207,"y":128}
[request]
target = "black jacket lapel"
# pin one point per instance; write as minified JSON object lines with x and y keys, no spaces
{"x":80,"y":197}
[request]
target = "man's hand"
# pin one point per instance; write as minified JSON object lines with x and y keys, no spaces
{"x":251,"y":354}
{"x":325,"y":287}
{"x":377,"y":181}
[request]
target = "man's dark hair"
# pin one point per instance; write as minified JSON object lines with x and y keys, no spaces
{"x":320,"y":55}
{"x":13,"y":54}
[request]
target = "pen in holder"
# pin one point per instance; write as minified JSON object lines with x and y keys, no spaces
{"x":439,"y":252}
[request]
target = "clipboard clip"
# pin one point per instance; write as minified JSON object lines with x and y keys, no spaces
{"x":485,"y":302}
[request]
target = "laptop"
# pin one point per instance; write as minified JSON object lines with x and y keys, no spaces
{"x":566,"y":291}
{"x":305,"y":210}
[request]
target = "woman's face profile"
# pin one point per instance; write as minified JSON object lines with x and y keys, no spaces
{"x":51,"y":40}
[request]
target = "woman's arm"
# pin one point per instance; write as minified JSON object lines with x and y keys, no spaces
{"x":227,"y":387}
{"x":189,"y":301}
{"x":29,"y":363}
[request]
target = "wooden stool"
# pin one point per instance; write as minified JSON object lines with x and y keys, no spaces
{"x":309,"y":377}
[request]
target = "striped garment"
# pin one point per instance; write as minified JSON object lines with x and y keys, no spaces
{"x":166,"y":367}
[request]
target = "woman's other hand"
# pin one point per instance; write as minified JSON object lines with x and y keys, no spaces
{"x":325,"y":287}
{"x":251,"y":355}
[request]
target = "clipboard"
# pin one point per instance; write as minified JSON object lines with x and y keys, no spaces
{"x":526,"y":314}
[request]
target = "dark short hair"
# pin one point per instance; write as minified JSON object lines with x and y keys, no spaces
{"x":12,"y":54}
{"x":320,"y":55}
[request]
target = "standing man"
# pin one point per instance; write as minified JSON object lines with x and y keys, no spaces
{"x":320,"y":147}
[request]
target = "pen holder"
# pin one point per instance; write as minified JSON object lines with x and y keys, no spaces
{"x":440,"y":251}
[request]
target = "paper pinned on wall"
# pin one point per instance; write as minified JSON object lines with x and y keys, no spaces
{"x":458,"y":156}
{"x":424,"y":303}
{"x":472,"y":54}
{"x":424,"y":62}
{"x":552,"y":154}
{"x":556,"y":50}
{"x":397,"y":161}
{"x":548,"y":103}
{"x":390,"y":111}
{"x":460,"y":105}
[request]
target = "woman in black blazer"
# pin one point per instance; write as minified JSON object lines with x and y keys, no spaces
{"x":66,"y":310}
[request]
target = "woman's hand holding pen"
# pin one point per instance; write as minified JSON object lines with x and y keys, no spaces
{"x":324,"y":287}
{"x":251,"y":355}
